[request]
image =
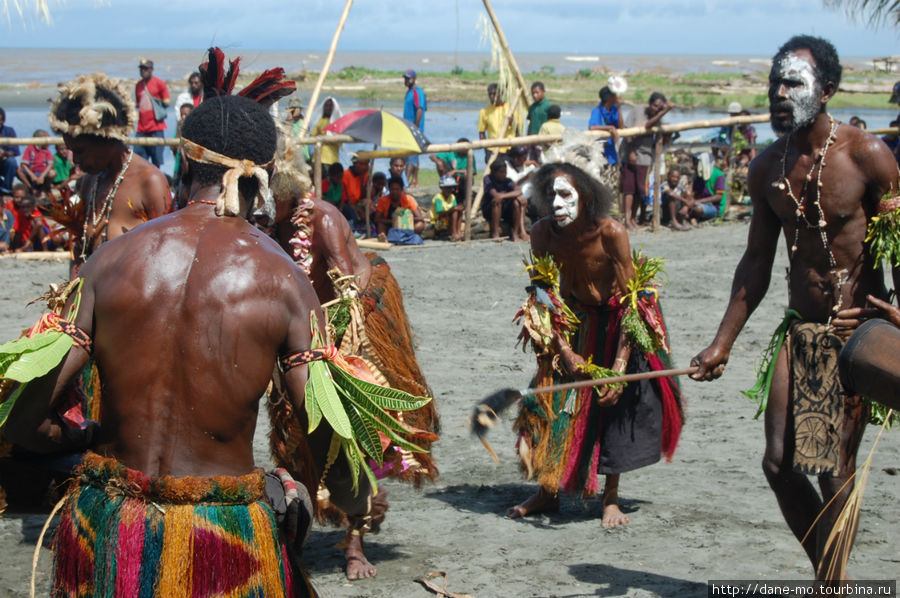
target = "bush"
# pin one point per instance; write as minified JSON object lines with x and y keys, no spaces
{"x":457,"y":71}
{"x":548,"y":69}
{"x":583,"y":74}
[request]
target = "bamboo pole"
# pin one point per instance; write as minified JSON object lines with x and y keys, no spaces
{"x":470,"y":175}
{"x":369,"y":196}
{"x":509,"y":55}
{"x":658,"y":156}
{"x":325,"y":67}
{"x":729,"y":164}
{"x":317,"y":165}
{"x":533,"y":139}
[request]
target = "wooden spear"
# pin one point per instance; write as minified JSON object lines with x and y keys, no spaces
{"x":325,"y":67}
{"x":509,"y":55}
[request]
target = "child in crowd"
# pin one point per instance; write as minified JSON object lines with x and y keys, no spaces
{"x":398,"y":212}
{"x":36,"y":169}
{"x":455,"y":164}
{"x":446,"y":213}
{"x":64,"y":167}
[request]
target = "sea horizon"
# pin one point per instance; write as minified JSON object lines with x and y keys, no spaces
{"x":24,"y":66}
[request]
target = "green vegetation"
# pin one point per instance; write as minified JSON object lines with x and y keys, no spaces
{"x":691,"y":90}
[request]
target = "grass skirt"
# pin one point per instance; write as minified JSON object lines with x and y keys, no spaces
{"x":125,"y":534}
{"x":566,"y":439}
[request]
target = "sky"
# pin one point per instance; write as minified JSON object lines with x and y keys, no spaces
{"x":727,"y":27}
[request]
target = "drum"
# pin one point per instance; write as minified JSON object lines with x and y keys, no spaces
{"x":869,"y":364}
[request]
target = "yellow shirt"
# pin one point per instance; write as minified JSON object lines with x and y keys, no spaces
{"x":552,"y":127}
{"x":490,"y":120}
{"x":439,"y":204}
{"x":330,"y":151}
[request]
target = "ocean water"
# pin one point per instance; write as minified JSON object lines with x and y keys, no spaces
{"x":444,"y":121}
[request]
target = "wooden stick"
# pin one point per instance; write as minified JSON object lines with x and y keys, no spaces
{"x":317,"y":164}
{"x":325,"y":67}
{"x":373,"y":244}
{"x":658,"y":155}
{"x":38,"y":256}
{"x":470,"y":175}
{"x":610,"y":380}
{"x":501,"y":37}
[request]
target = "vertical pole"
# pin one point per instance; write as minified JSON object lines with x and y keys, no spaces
{"x":317,"y":165}
{"x":369,"y":194}
{"x":470,"y":176}
{"x":325,"y":67}
{"x":509,"y":55}
{"x":657,"y":179}
{"x":729,"y":172}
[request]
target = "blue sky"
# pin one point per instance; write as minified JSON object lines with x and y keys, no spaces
{"x":729,"y":27}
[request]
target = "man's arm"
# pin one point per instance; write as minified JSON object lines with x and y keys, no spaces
{"x":751,"y":280}
{"x":33,"y":423}
{"x":157,"y":197}
{"x":881,"y":170}
{"x":654,"y":120}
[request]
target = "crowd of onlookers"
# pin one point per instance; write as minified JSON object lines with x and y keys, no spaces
{"x":693,"y":187}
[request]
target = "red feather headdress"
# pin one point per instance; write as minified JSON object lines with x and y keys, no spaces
{"x":266,"y":89}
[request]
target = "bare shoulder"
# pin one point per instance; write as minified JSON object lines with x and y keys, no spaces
{"x":540,"y":235}
{"x":612,"y":230}
{"x":869,"y":152}
{"x":761,"y":166}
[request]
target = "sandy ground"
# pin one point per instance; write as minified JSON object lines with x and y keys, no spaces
{"x":707,"y":515}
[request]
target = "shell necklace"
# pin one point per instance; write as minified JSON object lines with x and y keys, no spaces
{"x":815,"y":221}
{"x":98,"y":216}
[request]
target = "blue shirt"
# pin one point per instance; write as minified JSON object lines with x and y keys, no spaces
{"x":603,"y":117}
{"x":7,"y":131}
{"x":415,"y":99}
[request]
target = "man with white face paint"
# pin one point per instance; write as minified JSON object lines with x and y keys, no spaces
{"x":818,"y":185}
{"x":567,"y":439}
{"x":565,"y":201}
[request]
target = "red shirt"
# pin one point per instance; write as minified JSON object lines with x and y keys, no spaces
{"x":38,"y":158}
{"x":383,"y":206}
{"x":354,"y":186}
{"x":147,"y":123}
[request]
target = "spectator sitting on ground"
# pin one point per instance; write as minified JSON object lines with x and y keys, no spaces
{"x":397,"y":167}
{"x":502,"y":200}
{"x":552,"y":126}
{"x":64,"y":167}
{"x":29,"y":227}
{"x":675,"y":201}
{"x":8,"y":153}
{"x":334,"y":192}
{"x":397,"y":210}
{"x":7,"y":222}
{"x":455,"y":164}
{"x":354,"y":181}
{"x":379,"y":184}
{"x":446,"y":212}
{"x":744,"y":141}
{"x":710,"y":198}
{"x":36,"y":169}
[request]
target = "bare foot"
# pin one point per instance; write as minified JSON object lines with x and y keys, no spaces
{"x":358,"y":566}
{"x":540,"y":502}
{"x":613,"y":517}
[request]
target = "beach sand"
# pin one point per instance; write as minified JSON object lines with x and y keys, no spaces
{"x":707,"y":515}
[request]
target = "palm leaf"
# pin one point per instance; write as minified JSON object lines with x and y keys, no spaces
{"x":21,"y":345}
{"x":388,"y":429}
{"x":7,"y":405}
{"x":321,"y":390}
{"x":36,"y":363}
{"x":366,"y":433}
{"x":355,"y":459}
{"x":359,"y":398}
{"x":873,"y":13}
{"x":383,"y":396}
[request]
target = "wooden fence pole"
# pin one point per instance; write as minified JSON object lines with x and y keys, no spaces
{"x":470,"y":176}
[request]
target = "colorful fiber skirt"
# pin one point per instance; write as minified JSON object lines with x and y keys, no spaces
{"x":566,"y":439}
{"x":125,"y":534}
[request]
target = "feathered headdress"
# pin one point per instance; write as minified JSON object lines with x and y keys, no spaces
{"x":265,"y":90}
{"x":98,"y":114}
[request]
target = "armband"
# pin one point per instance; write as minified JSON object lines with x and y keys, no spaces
{"x":79,"y":336}
{"x":289,"y":362}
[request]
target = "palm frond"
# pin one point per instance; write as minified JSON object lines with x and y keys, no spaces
{"x":872,"y":13}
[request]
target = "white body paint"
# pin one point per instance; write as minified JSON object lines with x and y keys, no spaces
{"x":565,"y":205}
{"x":804,"y":97}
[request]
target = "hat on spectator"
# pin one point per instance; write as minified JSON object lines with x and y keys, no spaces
{"x":295,"y":103}
{"x":145,"y":63}
{"x":895,"y":94}
{"x":735,"y":108}
{"x":447,"y":181}
{"x":409,"y":74}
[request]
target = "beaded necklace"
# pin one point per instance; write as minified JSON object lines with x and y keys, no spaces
{"x":96,"y":217}
{"x":203,"y":201}
{"x":801,"y":205}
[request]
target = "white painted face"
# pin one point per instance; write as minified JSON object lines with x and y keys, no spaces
{"x":801,"y":96}
{"x":565,"y":201}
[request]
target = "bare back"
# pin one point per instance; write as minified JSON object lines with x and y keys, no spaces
{"x":189,"y":312}
{"x":855,"y":175}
